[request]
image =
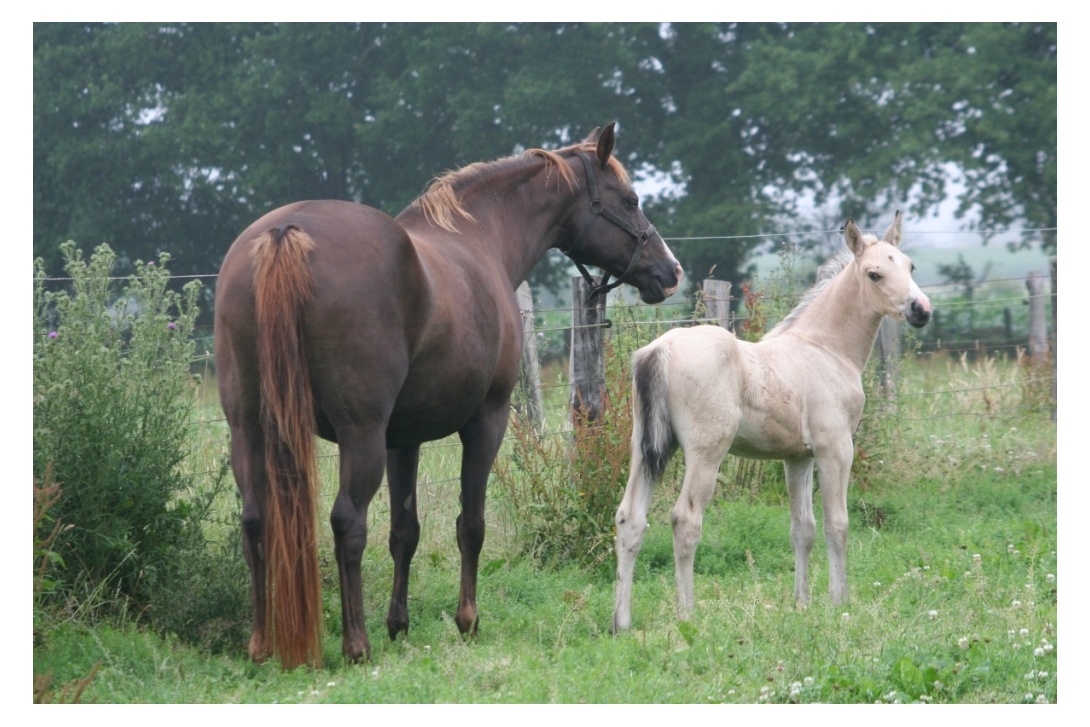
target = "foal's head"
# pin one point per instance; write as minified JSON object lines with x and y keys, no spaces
{"x":888,"y":283}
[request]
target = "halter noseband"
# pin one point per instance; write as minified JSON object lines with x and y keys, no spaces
{"x":597,"y":210}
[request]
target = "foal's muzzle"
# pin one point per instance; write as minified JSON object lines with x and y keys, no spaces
{"x":919,"y":313}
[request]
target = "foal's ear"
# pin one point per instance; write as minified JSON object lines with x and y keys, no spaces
{"x":853,"y":237}
{"x":893,"y":234}
{"x":605,"y":143}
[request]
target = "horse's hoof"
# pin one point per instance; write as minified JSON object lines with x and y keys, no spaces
{"x":468,"y":624}
{"x":355,"y":654}
{"x":257,"y":650}
{"x":396,"y":627}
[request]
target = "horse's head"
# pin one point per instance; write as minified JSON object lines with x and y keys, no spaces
{"x":623,"y":243}
{"x":887,"y":274}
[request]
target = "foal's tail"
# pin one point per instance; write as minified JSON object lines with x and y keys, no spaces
{"x":283,"y":285}
{"x":652,"y":427}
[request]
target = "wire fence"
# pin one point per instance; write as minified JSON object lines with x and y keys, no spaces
{"x":949,"y":402}
{"x":985,"y":324}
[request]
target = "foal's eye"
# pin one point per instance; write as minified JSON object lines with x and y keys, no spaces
{"x":632,"y":202}
{"x":874,"y":277}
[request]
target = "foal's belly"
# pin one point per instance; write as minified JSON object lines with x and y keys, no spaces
{"x":771,"y":439}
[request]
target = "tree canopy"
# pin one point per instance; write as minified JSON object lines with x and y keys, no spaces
{"x":174,"y":136}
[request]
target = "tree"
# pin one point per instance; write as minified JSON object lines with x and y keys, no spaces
{"x":869,"y":116}
{"x":174,"y":137}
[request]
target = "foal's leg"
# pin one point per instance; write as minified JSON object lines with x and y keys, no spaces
{"x":401,"y":469}
{"x":834,"y":467}
{"x":481,"y":439}
{"x":687,"y":517}
{"x":631,"y":522}
{"x":800,"y":491}
{"x":363,"y":457}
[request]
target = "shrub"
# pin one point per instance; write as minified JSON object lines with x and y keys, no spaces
{"x":113,"y":414}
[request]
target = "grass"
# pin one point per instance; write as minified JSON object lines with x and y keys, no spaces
{"x":952,"y":565}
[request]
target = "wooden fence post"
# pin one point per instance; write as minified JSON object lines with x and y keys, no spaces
{"x":717,"y":301}
{"x":530,"y":374}
{"x":587,"y":369}
{"x":1038,"y":327}
{"x":888,"y":346}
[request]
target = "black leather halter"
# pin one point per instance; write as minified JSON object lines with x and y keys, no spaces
{"x":597,"y":210}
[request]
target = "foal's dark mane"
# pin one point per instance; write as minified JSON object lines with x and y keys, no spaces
{"x":441,"y":202}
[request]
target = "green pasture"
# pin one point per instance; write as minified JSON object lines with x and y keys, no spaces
{"x":141,"y":594}
{"x":952,"y":566}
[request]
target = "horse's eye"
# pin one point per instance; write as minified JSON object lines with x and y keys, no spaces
{"x":874,"y":277}
{"x":632,"y":202}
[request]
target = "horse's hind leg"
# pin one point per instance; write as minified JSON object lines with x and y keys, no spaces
{"x":687,"y":517}
{"x":401,"y":469}
{"x":248,"y":464}
{"x":631,"y":524}
{"x":481,"y":439}
{"x":363,"y":458}
{"x":800,"y":491}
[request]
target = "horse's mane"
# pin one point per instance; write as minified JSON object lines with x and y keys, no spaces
{"x":825,"y":276}
{"x":441,"y":202}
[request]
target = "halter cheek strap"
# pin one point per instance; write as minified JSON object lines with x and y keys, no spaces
{"x":597,"y":210}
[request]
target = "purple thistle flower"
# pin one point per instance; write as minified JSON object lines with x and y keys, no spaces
{"x":53,"y":334}
{"x":171,"y":325}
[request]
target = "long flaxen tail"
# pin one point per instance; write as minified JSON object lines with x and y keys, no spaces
{"x":656,"y":434}
{"x":283,"y":285}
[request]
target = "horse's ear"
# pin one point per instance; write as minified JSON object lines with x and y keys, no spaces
{"x":592,"y":137}
{"x":893,"y":234}
{"x":853,"y":237}
{"x":605,"y":143}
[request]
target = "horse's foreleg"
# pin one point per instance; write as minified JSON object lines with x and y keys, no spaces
{"x":833,"y":471}
{"x":631,"y":522}
{"x":687,"y":518}
{"x":800,"y":491}
{"x":401,"y":469}
{"x":481,"y":439}
{"x":362,"y":463}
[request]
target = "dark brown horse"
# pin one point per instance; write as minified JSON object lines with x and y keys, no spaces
{"x":333,"y":319}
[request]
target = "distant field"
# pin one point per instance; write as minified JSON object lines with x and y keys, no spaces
{"x":1004,"y":264}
